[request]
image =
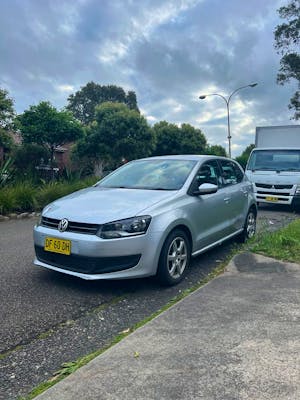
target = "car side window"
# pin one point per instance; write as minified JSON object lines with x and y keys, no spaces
{"x":209,"y":172}
{"x":231,"y":174}
{"x":239,"y":173}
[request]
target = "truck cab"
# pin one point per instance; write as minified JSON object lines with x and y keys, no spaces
{"x":275,"y":174}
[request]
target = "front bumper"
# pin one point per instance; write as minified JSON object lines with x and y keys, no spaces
{"x":276,"y":199}
{"x":87,"y":264}
{"x":95,"y":258}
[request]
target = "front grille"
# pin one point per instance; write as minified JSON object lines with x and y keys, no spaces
{"x":267,"y":186}
{"x":87,"y":265}
{"x":272,"y":193}
{"x":77,"y":227}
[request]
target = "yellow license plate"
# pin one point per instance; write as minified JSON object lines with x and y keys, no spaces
{"x":57,"y":245}
{"x":273,"y":199}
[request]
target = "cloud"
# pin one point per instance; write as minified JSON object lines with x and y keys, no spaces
{"x":167,"y":52}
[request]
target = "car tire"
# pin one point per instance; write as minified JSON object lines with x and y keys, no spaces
{"x":249,"y":226}
{"x":174,"y":258}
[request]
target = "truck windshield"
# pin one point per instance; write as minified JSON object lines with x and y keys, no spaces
{"x":274,"y":160}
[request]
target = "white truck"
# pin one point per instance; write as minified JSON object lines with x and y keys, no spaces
{"x":274,"y":165}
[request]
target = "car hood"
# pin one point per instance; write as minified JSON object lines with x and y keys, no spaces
{"x":101,"y":205}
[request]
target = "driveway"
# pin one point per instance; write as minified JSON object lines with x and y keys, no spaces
{"x":50,"y":318}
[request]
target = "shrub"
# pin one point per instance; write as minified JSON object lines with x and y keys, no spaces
{"x":28,"y":156}
{"x":7,"y":200}
{"x":25,"y":196}
{"x":49,"y":193}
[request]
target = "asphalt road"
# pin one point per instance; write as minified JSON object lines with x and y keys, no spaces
{"x":48,"y":318}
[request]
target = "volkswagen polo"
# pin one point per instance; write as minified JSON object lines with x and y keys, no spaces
{"x":149,"y":217}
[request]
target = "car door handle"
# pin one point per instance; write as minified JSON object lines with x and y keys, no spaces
{"x":227,"y":199}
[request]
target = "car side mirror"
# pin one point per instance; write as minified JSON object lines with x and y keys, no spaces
{"x":206,"y":188}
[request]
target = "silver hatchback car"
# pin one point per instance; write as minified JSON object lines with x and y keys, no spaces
{"x":147,"y":218}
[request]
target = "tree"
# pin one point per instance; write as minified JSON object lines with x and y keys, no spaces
{"x":243,"y":158}
{"x":44,"y":125}
{"x":171,"y":139}
{"x":287,"y":41}
{"x":216,"y":150}
{"x":28,"y":156}
{"x":6,"y":110}
{"x":117,"y":135}
{"x":82,"y":104}
{"x":6,"y":119}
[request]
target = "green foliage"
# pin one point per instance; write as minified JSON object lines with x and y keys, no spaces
{"x":53,"y":191}
{"x":171,"y":139}
{"x":287,"y":41}
{"x":216,"y":150}
{"x":24,"y":196}
{"x":283,"y":244}
{"x":6,"y":120}
{"x":6,"y":140}
{"x":28,"y":156}
{"x":45,"y":126}
{"x":5,"y":172}
{"x":7,"y":200}
{"x":243,"y":158}
{"x":27,"y":196}
{"x":117,"y":133}
{"x":6,"y":110}
{"x":83,"y":103}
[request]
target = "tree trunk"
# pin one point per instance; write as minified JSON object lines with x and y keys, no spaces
{"x":51,"y":161}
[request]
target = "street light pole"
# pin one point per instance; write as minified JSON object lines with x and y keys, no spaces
{"x":227,"y":101}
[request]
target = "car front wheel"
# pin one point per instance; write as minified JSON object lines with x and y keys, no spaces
{"x":174,"y":258}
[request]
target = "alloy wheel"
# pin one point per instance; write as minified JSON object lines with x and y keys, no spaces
{"x":177,"y":257}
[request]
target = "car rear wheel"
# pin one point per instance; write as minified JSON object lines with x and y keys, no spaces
{"x":174,"y":258}
{"x":249,"y":226}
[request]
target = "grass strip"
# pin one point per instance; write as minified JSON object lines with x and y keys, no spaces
{"x":9,"y":352}
{"x":283,"y":244}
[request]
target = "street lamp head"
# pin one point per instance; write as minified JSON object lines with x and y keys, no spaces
{"x":202,"y":97}
{"x":253,"y":84}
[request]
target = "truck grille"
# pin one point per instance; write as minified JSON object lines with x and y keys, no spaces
{"x":76,"y":227}
{"x":268,"y":186}
{"x":272,"y":193}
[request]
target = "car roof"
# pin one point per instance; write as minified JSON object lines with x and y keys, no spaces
{"x":186,"y":157}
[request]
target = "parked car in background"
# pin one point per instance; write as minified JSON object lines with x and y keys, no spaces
{"x":149,"y":217}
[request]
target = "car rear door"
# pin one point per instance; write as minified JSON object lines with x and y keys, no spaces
{"x":236,"y":194}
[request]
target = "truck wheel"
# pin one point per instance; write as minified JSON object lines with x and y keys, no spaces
{"x":174,"y":258}
{"x":295,"y":207}
{"x":249,"y":226}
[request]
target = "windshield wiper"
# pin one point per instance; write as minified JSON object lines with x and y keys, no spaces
{"x":115,"y":187}
{"x":160,"y":188}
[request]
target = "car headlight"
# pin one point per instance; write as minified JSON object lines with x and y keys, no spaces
{"x":125,"y":227}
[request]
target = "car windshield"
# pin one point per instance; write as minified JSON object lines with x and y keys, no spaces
{"x":150,"y":174}
{"x":275,"y":160}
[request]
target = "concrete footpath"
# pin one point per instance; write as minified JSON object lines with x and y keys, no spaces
{"x":236,"y":338}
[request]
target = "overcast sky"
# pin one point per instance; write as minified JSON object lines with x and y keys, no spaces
{"x":168,"y":52}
